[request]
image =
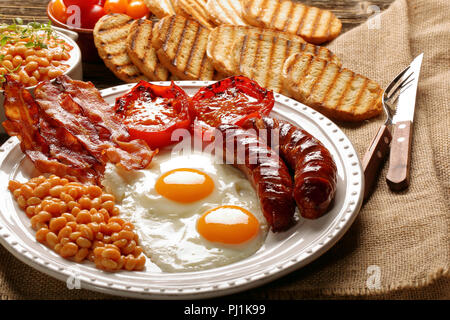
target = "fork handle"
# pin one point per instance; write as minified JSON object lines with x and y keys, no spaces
{"x":398,"y":175}
{"x":375,"y":157}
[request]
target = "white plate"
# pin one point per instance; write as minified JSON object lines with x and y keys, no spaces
{"x":282,"y":253}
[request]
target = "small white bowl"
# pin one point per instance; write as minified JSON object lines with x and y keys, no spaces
{"x":75,"y":70}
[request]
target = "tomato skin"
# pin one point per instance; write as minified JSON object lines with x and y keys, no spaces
{"x":232,"y":101}
{"x":59,"y":10}
{"x":90,"y":16}
{"x":116,"y":6}
{"x":157,"y":130}
{"x":137,"y":9}
{"x":81,"y":3}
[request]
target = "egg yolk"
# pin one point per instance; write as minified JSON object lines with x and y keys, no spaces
{"x":184,"y":185}
{"x":228,"y":224}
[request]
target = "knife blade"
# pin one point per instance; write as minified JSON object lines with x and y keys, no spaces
{"x":398,"y":176}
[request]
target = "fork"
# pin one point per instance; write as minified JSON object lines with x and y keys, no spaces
{"x":379,"y":147}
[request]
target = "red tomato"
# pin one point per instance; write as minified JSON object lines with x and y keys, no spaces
{"x":90,"y":16}
{"x":116,"y":6}
{"x":152,"y":112}
{"x":231,"y":101}
{"x":137,"y":9}
{"x":59,"y":10}
{"x":81,"y":3}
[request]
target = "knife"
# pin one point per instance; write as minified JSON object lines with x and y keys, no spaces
{"x":398,"y":175}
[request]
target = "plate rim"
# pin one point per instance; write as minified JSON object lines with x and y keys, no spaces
{"x":7,"y":239}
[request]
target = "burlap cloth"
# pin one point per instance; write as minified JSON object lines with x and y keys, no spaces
{"x":398,"y":247}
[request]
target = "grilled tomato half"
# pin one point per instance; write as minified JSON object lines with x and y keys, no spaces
{"x":152,"y":112}
{"x":231,"y":101}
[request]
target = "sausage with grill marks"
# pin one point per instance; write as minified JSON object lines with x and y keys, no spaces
{"x":314,"y":168}
{"x":264,"y":168}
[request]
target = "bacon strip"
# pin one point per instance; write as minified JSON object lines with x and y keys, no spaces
{"x":79,"y":108}
{"x":24,"y":120}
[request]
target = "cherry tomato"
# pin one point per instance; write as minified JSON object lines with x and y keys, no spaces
{"x":137,"y":9}
{"x":90,"y":16}
{"x":152,"y":112}
{"x":116,"y":6}
{"x":231,"y":101}
{"x":59,"y":10}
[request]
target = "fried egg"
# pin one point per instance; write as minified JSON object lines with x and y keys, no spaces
{"x":190,"y":212}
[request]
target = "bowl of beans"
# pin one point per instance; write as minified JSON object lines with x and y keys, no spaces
{"x":37,"y":52}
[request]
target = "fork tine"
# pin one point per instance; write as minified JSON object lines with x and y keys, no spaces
{"x":402,"y":85}
{"x":397,"y":78}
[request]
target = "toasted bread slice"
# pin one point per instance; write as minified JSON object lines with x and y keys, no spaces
{"x":222,"y":38}
{"x":225,"y":12}
{"x":160,"y":8}
{"x":336,"y":92}
{"x":312,"y":24}
{"x":195,"y":10}
{"x":110,"y":38}
{"x":142,"y":53}
{"x":261,"y":57}
{"x":180,"y":44}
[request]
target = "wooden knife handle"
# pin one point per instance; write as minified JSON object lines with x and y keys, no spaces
{"x":397,"y":177}
{"x":375,"y":157}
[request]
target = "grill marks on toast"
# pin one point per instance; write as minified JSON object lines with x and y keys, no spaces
{"x":225,"y":12}
{"x":262,"y":56}
{"x":194,"y":9}
{"x":222,"y":39}
{"x":160,"y":8}
{"x":337,"y":92}
{"x":142,"y":53}
{"x":313,"y":24}
{"x":110,"y":38}
{"x":180,"y":44}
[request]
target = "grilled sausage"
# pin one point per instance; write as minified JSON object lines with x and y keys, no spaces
{"x":313,"y":166}
{"x":264,"y":168}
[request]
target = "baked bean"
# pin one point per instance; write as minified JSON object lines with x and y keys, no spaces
{"x":121,"y":243}
{"x":81,"y":254}
{"x":14,"y":185}
{"x":26,"y":191}
{"x":94,"y":227}
{"x":84,"y":217}
{"x":64,"y":241}
{"x":41,"y":234}
{"x":43,"y":216}
{"x":15,"y":77}
{"x":64,"y":233}
{"x":42,"y":190}
{"x":55,"y":208}
{"x":137,"y":251}
{"x":58,"y":248}
{"x":17,"y":61}
{"x":109,"y":264}
{"x":82,"y":242}
{"x":108,"y":205}
{"x":43,"y":61}
{"x":69,"y":217}
{"x":130,"y":262}
{"x":33,"y":201}
{"x":22,"y":202}
{"x":32,"y":81}
{"x":75,"y":210}
{"x":107,"y":197}
{"x":125,"y":234}
{"x":68,"y":250}
{"x":87,"y":232}
{"x":85,"y":202}
{"x":66,"y":198}
{"x":56,"y":191}
{"x":53,"y":73}
{"x":30,"y":210}
{"x":96,"y":203}
{"x":7,"y":64}
{"x":94,"y":191}
{"x":129,"y":248}
{"x":52,"y":239}
{"x":115,"y":211}
{"x":72,"y":224}
{"x":57,"y":224}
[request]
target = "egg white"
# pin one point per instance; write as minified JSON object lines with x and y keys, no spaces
{"x":167,"y":229}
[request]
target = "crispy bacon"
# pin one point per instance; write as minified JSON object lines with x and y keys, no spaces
{"x":78,"y":107}
{"x":45,"y":150}
{"x":70,"y":130}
